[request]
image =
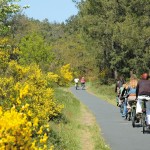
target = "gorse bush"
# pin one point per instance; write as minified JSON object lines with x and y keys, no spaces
{"x":28,"y":103}
{"x":29,"y":85}
{"x":66,"y":75}
{"x":16,"y":131}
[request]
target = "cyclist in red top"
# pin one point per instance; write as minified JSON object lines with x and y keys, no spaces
{"x":82,"y":82}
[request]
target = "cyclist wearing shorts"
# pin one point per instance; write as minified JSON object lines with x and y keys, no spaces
{"x":131,"y":90}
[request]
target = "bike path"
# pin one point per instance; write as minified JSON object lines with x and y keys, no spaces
{"x":117,"y":132}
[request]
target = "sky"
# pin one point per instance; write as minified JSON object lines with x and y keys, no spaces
{"x":54,"y":10}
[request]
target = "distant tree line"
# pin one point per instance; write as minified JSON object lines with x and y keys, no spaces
{"x":106,"y":38}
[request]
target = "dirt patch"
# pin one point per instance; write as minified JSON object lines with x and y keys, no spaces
{"x":87,"y":117}
{"x":87,"y":121}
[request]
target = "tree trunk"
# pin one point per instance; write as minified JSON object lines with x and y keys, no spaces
{"x":116,"y":74}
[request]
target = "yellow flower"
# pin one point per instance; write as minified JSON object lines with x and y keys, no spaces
{"x":24,"y":91}
{"x":33,"y":144}
{"x":29,"y":113}
{"x":18,"y":101}
{"x":44,"y":139}
{"x":35,"y":122}
{"x":45,"y":147}
{"x":52,"y":147}
{"x":40,"y":131}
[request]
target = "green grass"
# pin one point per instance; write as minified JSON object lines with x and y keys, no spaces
{"x":105,"y":92}
{"x":68,"y":129}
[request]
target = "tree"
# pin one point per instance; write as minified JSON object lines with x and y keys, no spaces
{"x":35,"y":50}
{"x":7,"y":9}
{"x":117,"y":32}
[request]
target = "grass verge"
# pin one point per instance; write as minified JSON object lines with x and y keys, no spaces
{"x":76,"y":128}
{"x":105,"y":92}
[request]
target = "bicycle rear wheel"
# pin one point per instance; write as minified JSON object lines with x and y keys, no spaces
{"x":83,"y":86}
{"x":133,"y":116}
{"x":144,"y":122}
{"x":76,"y":86}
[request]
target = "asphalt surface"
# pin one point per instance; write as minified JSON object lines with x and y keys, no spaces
{"x":117,"y":132}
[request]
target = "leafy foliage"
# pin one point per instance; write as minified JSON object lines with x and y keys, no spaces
{"x":35,"y":50}
{"x":105,"y":38}
{"x":118,"y":31}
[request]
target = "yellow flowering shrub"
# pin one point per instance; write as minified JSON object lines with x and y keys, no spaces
{"x":18,"y":72}
{"x":7,"y":53}
{"x":27,"y":102}
{"x":27,"y":89}
{"x":6,"y":91}
{"x":3,"y":56}
{"x":31,"y":87}
{"x":52,"y":77}
{"x":3,"y":41}
{"x":17,"y":132}
{"x":66,"y":74}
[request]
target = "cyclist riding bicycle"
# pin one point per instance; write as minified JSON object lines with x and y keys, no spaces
{"x":76,"y":80}
{"x":143,"y":92}
{"x":123,"y":96}
{"x":119,"y":83}
{"x":82,"y":82}
{"x":131,"y":96}
{"x":131,"y":90}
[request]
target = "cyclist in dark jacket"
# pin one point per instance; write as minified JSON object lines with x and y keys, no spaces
{"x":143,"y":92}
{"x":119,"y":84}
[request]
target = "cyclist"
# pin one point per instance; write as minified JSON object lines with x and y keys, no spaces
{"x":119,"y":83}
{"x":143,"y":92}
{"x":76,"y":80}
{"x":123,"y":96}
{"x":131,"y":94}
{"x":82,"y":81}
{"x":131,"y":91}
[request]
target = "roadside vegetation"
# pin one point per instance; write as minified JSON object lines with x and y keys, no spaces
{"x":38,"y":59}
{"x":76,"y":128}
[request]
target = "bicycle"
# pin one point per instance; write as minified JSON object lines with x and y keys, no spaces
{"x":135,"y":118}
{"x":82,"y":86}
{"x":123,"y":106}
{"x":76,"y":86}
{"x":144,"y":123}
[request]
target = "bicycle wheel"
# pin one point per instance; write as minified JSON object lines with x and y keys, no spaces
{"x":144,"y":122}
{"x":141,"y":121}
{"x":129,"y":116}
{"x":133,"y":116}
{"x":121,"y":108}
{"x":83,"y":86}
{"x":76,"y":85}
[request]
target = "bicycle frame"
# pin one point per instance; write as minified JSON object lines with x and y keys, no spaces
{"x":133,"y":112}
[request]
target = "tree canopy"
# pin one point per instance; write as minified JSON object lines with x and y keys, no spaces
{"x":105,"y":36}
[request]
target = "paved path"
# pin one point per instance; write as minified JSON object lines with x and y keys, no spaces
{"x":117,"y":132}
